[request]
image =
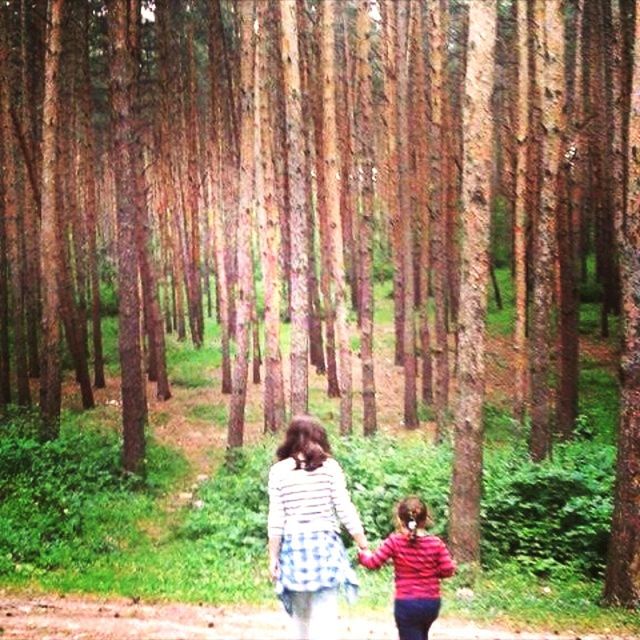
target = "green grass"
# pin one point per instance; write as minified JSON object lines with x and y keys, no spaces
{"x":213,"y":414}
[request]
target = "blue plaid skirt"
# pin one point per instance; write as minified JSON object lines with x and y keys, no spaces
{"x":313,"y":561}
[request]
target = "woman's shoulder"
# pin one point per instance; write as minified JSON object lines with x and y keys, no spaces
{"x":282,"y":466}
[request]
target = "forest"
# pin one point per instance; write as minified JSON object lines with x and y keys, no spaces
{"x":417,"y":220}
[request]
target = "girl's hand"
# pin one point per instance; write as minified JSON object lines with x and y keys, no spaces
{"x":361,"y":540}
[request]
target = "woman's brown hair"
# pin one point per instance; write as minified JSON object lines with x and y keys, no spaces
{"x":306,"y":441}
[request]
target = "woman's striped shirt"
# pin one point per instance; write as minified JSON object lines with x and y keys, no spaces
{"x":303,"y":501}
{"x":418,"y":565}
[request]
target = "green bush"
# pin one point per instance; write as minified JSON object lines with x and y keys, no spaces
{"x":64,"y":502}
{"x":546,"y":516}
{"x":553,"y":514}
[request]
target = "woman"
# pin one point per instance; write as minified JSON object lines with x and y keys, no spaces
{"x":307,"y":499}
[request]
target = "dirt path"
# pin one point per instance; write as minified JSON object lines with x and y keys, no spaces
{"x":55,"y":618}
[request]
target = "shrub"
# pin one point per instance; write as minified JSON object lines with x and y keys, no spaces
{"x":546,"y":516}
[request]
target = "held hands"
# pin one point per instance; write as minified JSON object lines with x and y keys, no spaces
{"x":361,"y":540}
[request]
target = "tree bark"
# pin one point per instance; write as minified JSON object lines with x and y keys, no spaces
{"x":267,"y":214}
{"x":235,"y":434}
{"x":330,"y":157}
{"x":550,"y":30}
{"x":622,"y":581}
{"x":468,"y":429}
{"x":121,"y":19}
{"x":520,"y":215}
{"x":299,"y":269}
{"x":50,"y":373}
{"x":366,"y":158}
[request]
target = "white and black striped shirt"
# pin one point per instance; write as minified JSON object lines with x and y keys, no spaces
{"x":305,"y":501}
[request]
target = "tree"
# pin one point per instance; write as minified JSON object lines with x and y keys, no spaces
{"x":622,"y":582}
{"x":50,"y":373}
{"x":549,"y":23}
{"x":476,"y":181}
{"x":299,"y":269}
{"x":267,"y":214}
{"x":520,"y":213}
{"x":330,"y":156}
{"x":245,"y":202}
{"x":365,"y":245}
{"x":122,"y":21}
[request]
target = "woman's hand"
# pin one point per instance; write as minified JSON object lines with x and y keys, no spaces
{"x":274,"y":568}
{"x":361,"y":540}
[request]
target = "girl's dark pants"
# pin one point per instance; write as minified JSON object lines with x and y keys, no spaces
{"x":414,"y":617}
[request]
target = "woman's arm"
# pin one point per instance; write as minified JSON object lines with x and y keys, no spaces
{"x":274,"y":554}
{"x":275,"y":523}
{"x":344,"y":507}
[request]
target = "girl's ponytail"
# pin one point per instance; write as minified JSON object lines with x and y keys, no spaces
{"x":412,"y":515}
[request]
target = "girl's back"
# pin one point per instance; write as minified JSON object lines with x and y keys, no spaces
{"x":419,"y":564}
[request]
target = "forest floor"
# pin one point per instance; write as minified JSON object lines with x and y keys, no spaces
{"x":57,"y":618}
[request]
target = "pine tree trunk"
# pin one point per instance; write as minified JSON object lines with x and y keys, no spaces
{"x":13,"y":232}
{"x":392,"y":163}
{"x":438,"y":197}
{"x":299,"y":269}
{"x":520,"y":215}
{"x":419,"y":116}
{"x":405,"y":218}
{"x":267,"y":214}
{"x":330,"y":157}
{"x":245,"y":202}
{"x":50,"y":374}
{"x":333,"y":389}
{"x":366,"y":155}
{"x":550,"y":32}
{"x":468,"y":430}
{"x":122,"y":73}
{"x":219,"y":241}
{"x":90,"y":204}
{"x":622,"y":582}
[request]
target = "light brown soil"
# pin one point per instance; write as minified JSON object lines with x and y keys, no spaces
{"x":54,"y":618}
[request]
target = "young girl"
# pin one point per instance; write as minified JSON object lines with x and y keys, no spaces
{"x":420,"y":561}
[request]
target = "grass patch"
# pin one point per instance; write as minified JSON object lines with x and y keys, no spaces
{"x":214,"y":414}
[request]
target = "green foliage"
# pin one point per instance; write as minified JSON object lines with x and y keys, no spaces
{"x":501,"y":233}
{"x":550,"y":515}
{"x":65,"y":502}
{"x":108,"y":299}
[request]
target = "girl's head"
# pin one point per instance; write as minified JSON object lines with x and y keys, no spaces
{"x":306,"y":441}
{"x":412,"y":514}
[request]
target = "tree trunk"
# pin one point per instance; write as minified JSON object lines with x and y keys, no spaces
{"x":437,"y":54}
{"x":550,"y":29}
{"x":245,"y":202}
{"x":13,"y":233}
{"x":333,"y":389}
{"x":405,"y":218}
{"x":121,"y":19}
{"x":468,"y":429}
{"x":390,"y":39}
{"x":50,"y":374}
{"x":520,"y":215}
{"x":622,"y":582}
{"x":366,"y":156}
{"x":90,"y":205}
{"x":330,"y":157}
{"x":299,"y":270}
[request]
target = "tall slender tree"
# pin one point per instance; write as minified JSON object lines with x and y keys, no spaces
{"x":330,"y":156}
{"x":50,"y":374}
{"x":245,"y":267}
{"x":476,"y":180}
{"x":549,"y":23}
{"x":299,"y":273}
{"x":364,"y":125}
{"x":122,"y":22}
